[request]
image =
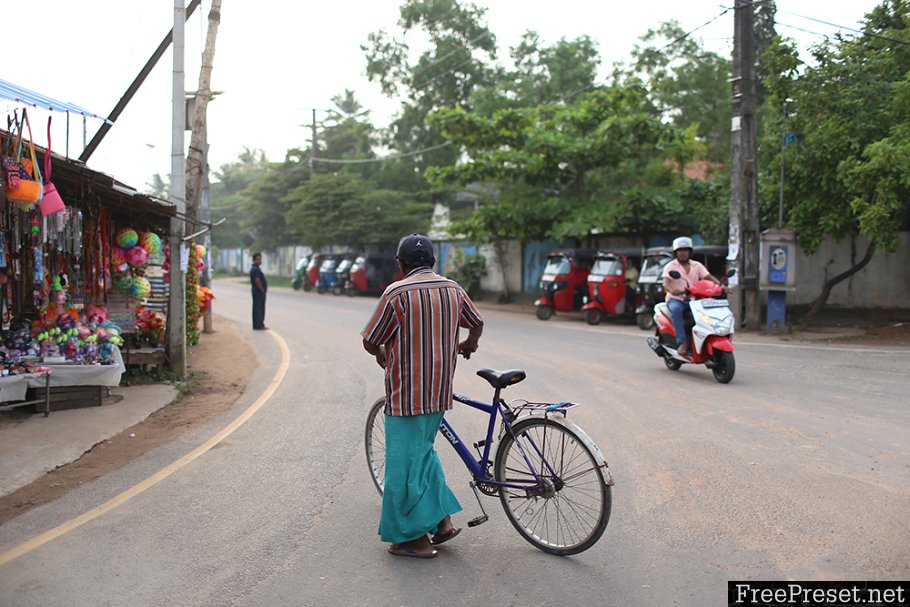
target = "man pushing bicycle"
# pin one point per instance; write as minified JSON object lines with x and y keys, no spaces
{"x":414,"y":336}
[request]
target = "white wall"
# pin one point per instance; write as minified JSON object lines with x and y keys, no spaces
{"x":493,"y":281}
{"x":883,"y":283}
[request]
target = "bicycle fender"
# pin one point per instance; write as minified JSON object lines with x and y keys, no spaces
{"x":585,"y":439}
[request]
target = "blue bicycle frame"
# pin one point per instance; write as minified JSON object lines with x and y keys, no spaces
{"x":479,"y":469}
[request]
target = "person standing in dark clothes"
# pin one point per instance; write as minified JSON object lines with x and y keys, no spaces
{"x":258,"y":286}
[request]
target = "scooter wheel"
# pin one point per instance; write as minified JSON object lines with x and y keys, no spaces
{"x":725,"y":366}
{"x":672,"y":363}
{"x":645,"y":320}
{"x":337,"y":290}
{"x":544,"y":312}
{"x":593,"y":316}
{"x":307,"y":287}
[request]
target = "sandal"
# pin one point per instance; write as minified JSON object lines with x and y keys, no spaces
{"x":441,"y":538}
{"x":399,"y":550}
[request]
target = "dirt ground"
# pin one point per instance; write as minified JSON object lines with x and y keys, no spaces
{"x":215,"y":382}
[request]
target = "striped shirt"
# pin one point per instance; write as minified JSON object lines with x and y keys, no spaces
{"x":417,"y":320}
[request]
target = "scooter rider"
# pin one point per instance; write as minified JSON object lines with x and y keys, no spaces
{"x":691,"y":271}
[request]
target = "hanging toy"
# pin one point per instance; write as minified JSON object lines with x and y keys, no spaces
{"x":119,"y":258}
{"x":127,"y":238}
{"x":141,"y":287}
{"x":123,"y":282}
{"x":137,"y":256}
{"x":39,"y":265}
{"x":151,"y":242}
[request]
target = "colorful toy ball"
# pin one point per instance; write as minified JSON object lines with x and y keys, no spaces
{"x":141,"y":287}
{"x":137,"y":256}
{"x":118,"y":257}
{"x":127,"y":238}
{"x":151,"y":242}
{"x":200,"y":251}
{"x":123,"y":283}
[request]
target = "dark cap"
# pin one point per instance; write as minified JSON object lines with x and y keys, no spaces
{"x":416,"y":250}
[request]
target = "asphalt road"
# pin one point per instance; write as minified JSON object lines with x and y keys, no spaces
{"x":798,"y":469}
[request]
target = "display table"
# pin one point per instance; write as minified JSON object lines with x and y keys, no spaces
{"x":14,"y":390}
{"x":87,"y":375}
{"x":68,"y":385}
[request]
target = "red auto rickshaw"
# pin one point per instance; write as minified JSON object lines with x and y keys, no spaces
{"x":372,"y":274}
{"x":563,"y":285}
{"x":311,"y":274}
{"x":612,"y":285}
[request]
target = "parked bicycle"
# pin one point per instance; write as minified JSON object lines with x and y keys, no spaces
{"x":552,"y":480}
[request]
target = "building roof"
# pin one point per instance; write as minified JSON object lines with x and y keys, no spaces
{"x":73,"y":177}
{"x":22,"y":95}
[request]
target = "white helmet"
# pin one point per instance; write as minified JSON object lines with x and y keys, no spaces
{"x":683,"y":242}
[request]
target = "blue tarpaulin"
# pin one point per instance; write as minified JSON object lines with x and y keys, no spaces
{"x":19,"y":94}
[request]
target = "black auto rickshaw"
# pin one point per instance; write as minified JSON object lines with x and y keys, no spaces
{"x":372,"y":274}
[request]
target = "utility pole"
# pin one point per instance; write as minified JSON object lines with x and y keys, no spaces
{"x":176,"y":320}
{"x":313,"y":145}
{"x":89,"y":149}
{"x":744,"y":236}
{"x":196,"y":159}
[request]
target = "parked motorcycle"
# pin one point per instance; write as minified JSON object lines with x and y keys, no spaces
{"x":709,"y":331}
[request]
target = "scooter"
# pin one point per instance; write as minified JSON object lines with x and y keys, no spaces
{"x":711,"y":323}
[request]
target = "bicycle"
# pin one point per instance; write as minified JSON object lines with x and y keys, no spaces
{"x":552,"y":480}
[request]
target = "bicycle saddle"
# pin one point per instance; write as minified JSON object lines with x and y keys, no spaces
{"x":502,"y":379}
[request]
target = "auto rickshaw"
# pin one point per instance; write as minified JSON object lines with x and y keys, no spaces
{"x":563,"y":285}
{"x":372,"y":274}
{"x":612,"y":285}
{"x":328,"y":273}
{"x":300,"y":273}
{"x":650,"y":285}
{"x":310,"y":277}
{"x":344,"y":272}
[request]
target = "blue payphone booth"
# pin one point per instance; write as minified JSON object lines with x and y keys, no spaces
{"x":778,"y":274}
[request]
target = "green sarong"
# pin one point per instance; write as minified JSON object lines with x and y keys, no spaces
{"x":415,"y":498}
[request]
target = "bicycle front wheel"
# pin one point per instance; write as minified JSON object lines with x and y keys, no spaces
{"x":374,"y":438}
{"x":568,"y":510}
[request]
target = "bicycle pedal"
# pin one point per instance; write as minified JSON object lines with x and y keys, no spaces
{"x":477,"y":521}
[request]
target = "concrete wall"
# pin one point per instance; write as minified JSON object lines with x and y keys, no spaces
{"x":883,"y":283}
{"x":494,"y":281}
{"x":281,"y":262}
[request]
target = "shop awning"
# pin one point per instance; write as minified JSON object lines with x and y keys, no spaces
{"x":22,"y":95}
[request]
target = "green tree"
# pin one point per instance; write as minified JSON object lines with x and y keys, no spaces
{"x":344,"y":209}
{"x":689,"y":85}
{"x":227,"y":199}
{"x":848,"y":174}
{"x":554,"y":146}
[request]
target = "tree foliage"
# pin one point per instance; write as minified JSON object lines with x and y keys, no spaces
{"x":343,"y":209}
{"x":847,"y":174}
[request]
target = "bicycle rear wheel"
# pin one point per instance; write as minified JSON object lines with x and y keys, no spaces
{"x":569,"y":511}
{"x":374,"y":440}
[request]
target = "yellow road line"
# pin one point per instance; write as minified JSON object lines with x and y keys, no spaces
{"x":162,"y":474}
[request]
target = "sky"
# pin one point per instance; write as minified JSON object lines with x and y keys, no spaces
{"x":277,"y":59}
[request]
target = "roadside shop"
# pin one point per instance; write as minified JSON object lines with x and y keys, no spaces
{"x":82,"y":275}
